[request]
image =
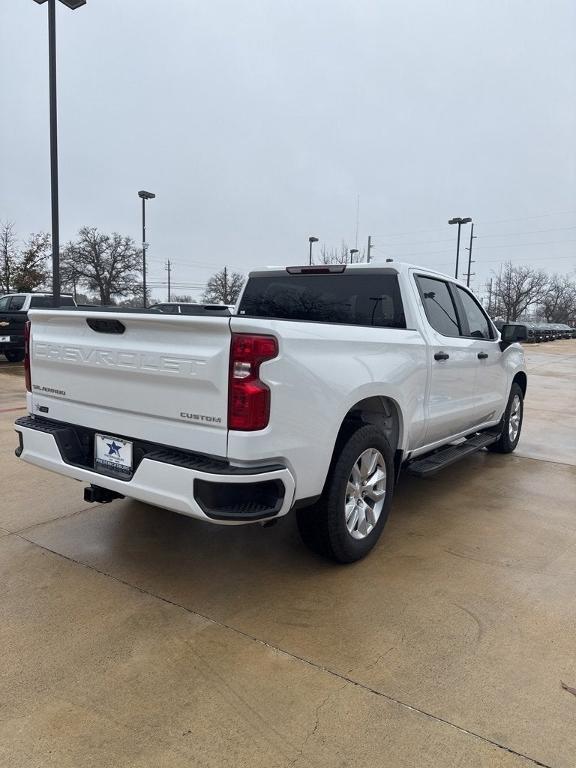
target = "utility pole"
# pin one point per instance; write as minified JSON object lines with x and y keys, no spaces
{"x":470,"y":262}
{"x":489,"y":286}
{"x":225,"y":286}
{"x":369,"y":249}
{"x":169,"y":270}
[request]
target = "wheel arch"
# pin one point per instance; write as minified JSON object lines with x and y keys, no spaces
{"x":521,"y":379}
{"x":383,"y":412}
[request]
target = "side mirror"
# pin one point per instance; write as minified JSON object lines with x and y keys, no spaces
{"x":512,"y":332}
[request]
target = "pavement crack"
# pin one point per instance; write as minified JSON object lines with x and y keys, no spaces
{"x":290,"y":654}
{"x":52,"y":520}
{"x":312,"y":731}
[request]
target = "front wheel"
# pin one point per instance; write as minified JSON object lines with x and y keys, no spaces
{"x":511,"y":423}
{"x":15,"y":356}
{"x":348,"y":520}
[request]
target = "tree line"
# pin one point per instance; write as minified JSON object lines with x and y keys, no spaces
{"x":95,"y":267}
{"x":520,"y":292}
{"x":107,"y":269}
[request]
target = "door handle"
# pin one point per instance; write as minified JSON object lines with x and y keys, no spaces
{"x":482,"y":355}
{"x":441,"y":356}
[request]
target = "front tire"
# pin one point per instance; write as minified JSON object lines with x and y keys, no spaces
{"x":15,"y":356}
{"x":511,"y":424}
{"x":349,"y":518}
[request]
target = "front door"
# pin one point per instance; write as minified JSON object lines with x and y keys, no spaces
{"x":491,"y":380}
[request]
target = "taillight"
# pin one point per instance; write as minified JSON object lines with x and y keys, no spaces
{"x":248,"y":397}
{"x":27,"y":377}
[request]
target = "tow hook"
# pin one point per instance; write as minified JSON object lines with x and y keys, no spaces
{"x":96,"y":494}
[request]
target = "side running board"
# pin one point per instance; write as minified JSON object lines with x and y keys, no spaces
{"x":434,"y":462}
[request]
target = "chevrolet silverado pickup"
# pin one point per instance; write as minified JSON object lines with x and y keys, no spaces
{"x":13,"y":317}
{"x":311,"y":396}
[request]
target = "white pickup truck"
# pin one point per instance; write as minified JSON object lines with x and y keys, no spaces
{"x":312,"y":395}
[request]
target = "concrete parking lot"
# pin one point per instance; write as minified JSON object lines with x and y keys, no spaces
{"x":132,"y":636}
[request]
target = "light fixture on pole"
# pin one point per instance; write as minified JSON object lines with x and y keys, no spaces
{"x":352,"y":252}
{"x":459,"y":221}
{"x":72,"y":4}
{"x":145,"y":196}
{"x":311,"y":240}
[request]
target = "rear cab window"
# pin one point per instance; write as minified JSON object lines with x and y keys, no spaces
{"x":367,"y":298}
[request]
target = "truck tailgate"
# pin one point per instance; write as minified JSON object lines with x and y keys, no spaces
{"x":156,"y":377}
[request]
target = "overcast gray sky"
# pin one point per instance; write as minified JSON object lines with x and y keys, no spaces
{"x":258,"y":123}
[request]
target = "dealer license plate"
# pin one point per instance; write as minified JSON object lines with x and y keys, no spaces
{"x":112,"y":455}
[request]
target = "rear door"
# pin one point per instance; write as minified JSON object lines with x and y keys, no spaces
{"x":156,"y":377}
{"x":491,"y":382}
{"x":451,"y":394}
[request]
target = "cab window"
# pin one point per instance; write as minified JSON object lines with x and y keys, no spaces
{"x":438,"y":305}
{"x":473,"y":319}
{"x":16,"y":303}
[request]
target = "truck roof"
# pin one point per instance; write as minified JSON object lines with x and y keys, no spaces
{"x":400,"y":267}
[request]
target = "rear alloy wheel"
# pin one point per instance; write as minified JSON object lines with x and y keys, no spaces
{"x":511,"y":424}
{"x":347,"y":521}
{"x":365,"y":493}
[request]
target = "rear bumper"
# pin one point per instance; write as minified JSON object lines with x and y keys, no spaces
{"x":200,"y":488}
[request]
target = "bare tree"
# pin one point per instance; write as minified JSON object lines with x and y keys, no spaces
{"x":340,"y":255}
{"x":558,"y":305}
{"x":30,"y":270}
{"x":516,"y":289}
{"x":184,"y":298}
{"x":107,"y":264}
{"x":223,"y":288}
{"x":8,"y":255}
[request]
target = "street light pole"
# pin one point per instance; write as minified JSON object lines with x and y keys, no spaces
{"x":310,"y":241}
{"x":352,"y":252}
{"x":72,"y":4}
{"x":145,"y":196}
{"x":54,"y":153}
{"x":458,"y":220}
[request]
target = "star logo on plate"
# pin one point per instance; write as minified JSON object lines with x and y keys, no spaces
{"x":113,"y":449}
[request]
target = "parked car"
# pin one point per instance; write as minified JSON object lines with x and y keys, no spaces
{"x":183,"y":308}
{"x":13,"y":316}
{"x":311,"y":398}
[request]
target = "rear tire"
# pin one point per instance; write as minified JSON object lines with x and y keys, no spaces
{"x":511,"y":424}
{"x":15,"y":356}
{"x":349,"y":518}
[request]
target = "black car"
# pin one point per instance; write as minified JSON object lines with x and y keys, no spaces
{"x":13,"y":316}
